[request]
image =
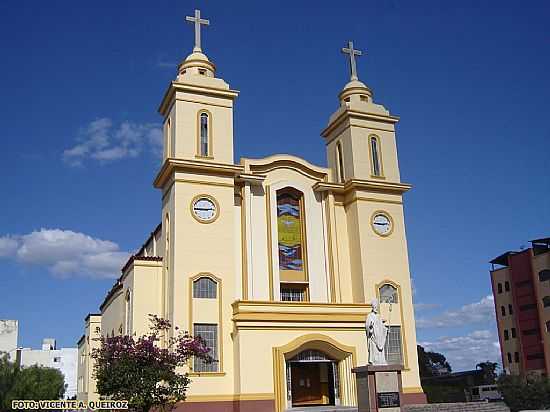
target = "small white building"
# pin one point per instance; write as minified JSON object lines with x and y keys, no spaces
{"x":63,"y":359}
{"x":8,"y":338}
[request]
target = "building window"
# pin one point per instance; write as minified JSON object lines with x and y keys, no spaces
{"x":375,"y":156}
{"x":57,"y":359}
{"x":388,"y":294}
{"x":510,"y":309}
{"x":205,"y":288}
{"x":97,"y":329}
{"x":509,"y":357}
{"x":204,"y":134}
{"x":503,"y":310}
{"x":546,"y":301}
{"x":293,"y":293}
{"x":514,"y":332}
{"x":394,"y":351}
{"x":516,"y":357}
{"x":499,"y":288}
{"x":548,"y":326}
{"x":529,"y":306}
{"x":209,"y":334}
{"x":544,"y":275}
{"x":506,"y":335}
{"x":128,"y":312}
{"x":507,"y":286}
{"x":167,"y":137}
{"x":340,"y":163}
{"x":291,"y":243}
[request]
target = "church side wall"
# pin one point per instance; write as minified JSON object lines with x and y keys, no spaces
{"x":146,"y":295}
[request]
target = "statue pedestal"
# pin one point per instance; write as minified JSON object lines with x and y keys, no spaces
{"x":379,"y":388}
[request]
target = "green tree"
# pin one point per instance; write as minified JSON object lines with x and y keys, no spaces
{"x":33,"y":383}
{"x":432,"y":363}
{"x":522,"y":393}
{"x":489,"y":371}
{"x":144,"y":372}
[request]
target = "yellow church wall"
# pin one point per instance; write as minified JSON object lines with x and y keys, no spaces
{"x":387,"y":259}
{"x":112,"y":315}
{"x":146,"y":294}
{"x":186,"y":116}
{"x":204,"y":248}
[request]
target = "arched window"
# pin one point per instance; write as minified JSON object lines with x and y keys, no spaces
{"x":167,"y":138}
{"x":340,"y":163}
{"x":291,"y":245}
{"x":205,"y":288}
{"x":388,"y":294}
{"x":128,"y":312}
{"x":204,"y":134}
{"x":375,"y":156}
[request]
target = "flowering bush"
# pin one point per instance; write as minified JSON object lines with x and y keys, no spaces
{"x":143,"y":370}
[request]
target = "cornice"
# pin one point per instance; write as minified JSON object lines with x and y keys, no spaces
{"x":348,"y":114}
{"x":362,"y":184}
{"x":284,"y":161}
{"x":252,"y":179}
{"x":174,"y":86}
{"x":212,"y":168}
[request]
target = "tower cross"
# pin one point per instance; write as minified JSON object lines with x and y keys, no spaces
{"x":198,"y":22}
{"x":352,"y":53}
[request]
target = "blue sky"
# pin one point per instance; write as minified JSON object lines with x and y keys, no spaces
{"x":468,"y":79}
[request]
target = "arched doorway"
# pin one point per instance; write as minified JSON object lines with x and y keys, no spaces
{"x":341,"y":356}
{"x":312,"y":379}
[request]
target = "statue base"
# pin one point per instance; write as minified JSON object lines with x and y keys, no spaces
{"x":379,"y":388}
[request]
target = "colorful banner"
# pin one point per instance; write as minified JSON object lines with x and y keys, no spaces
{"x":289,"y":228}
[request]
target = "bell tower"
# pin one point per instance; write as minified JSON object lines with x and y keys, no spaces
{"x":198,"y":109}
{"x":360,"y":136}
{"x":362,"y":155}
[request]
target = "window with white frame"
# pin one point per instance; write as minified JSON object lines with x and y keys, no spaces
{"x":209,"y":334}
{"x":293,"y":293}
{"x":205,"y":288}
{"x":394,"y":350}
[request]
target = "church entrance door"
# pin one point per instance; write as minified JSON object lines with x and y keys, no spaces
{"x":312,"y":379}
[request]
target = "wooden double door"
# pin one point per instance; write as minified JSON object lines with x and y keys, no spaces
{"x":312,"y":383}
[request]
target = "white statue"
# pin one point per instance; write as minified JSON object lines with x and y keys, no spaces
{"x":377,"y":332}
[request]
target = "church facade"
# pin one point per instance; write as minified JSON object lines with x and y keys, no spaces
{"x":273,"y":261}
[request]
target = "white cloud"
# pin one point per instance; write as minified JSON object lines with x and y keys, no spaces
{"x":425,"y":306}
{"x":482,"y":311}
{"x":65,"y":253}
{"x":464,"y":352}
{"x":103,"y":141}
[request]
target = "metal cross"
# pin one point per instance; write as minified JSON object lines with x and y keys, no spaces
{"x":352,"y":53}
{"x":197,"y":21}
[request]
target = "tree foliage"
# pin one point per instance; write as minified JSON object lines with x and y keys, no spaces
{"x":521,"y":393}
{"x":143,"y":371}
{"x":432,"y":363}
{"x":33,"y":383}
{"x":489,"y":371}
